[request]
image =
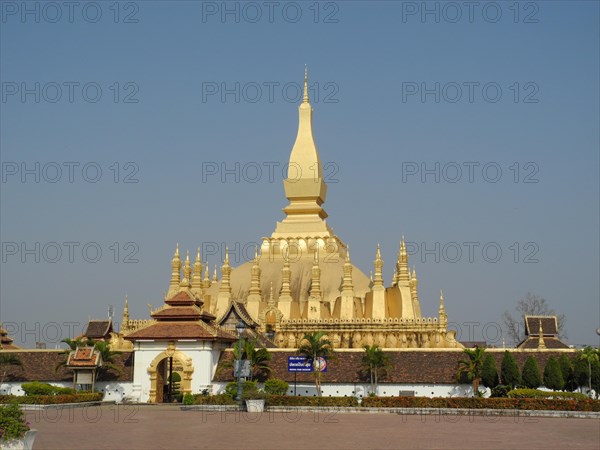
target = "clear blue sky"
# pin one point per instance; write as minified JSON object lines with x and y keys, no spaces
{"x":370,"y":125}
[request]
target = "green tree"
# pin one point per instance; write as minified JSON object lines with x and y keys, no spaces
{"x":472,"y":367}
{"x":259,"y":358}
{"x":376,"y":362}
{"x":531,"y":373}
{"x":566,"y":369}
{"x":596,"y":378}
{"x":8,"y":360}
{"x":590,"y":356}
{"x":108,"y":359}
{"x":489,"y":372}
{"x":553,"y":378}
{"x":72,"y":344}
{"x":316,"y":345}
{"x":509,"y":371}
{"x":580,"y":373}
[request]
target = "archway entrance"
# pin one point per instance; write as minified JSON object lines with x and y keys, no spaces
{"x":170,"y":376}
{"x":168,"y":380}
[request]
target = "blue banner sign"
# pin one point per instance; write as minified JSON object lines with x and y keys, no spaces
{"x":303,"y":364}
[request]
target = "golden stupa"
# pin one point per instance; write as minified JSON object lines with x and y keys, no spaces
{"x":303,"y":280}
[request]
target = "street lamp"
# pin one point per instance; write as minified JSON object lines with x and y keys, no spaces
{"x":240,"y":327}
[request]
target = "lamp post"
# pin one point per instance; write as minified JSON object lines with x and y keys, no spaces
{"x":240,"y":327}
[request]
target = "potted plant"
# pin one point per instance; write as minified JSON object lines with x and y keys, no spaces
{"x":15,"y":433}
{"x":255,"y":400}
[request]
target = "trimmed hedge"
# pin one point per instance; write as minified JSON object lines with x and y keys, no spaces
{"x":286,"y":400}
{"x":535,"y":393}
{"x":218,"y":399}
{"x":482,"y":403}
{"x":51,"y":399}
{"x":38,"y":388}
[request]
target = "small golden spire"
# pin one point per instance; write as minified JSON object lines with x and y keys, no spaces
{"x":215,"y":278}
{"x":316,"y":259}
{"x":348,"y":254}
{"x":441,"y":301}
{"x":378,"y":280}
{"x":177,"y":250}
{"x":541,"y":343}
{"x":226,"y":255}
{"x":305,"y":96}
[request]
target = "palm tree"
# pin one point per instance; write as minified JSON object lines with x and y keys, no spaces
{"x":590,"y":356}
{"x":8,"y":360}
{"x":108,"y":358}
{"x":472,"y":367}
{"x":316,"y":345}
{"x":375,"y":360}
{"x":72,"y":344}
{"x":258,"y":357}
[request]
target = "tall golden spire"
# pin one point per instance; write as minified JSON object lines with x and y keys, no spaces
{"x":125,"y":318}
{"x":206,"y":280}
{"x":215,"y":278}
{"x":315,"y":286}
{"x":541,"y":343}
{"x":347,"y":285}
{"x":402,"y":264}
{"x":225,"y":274}
{"x":175,"y":273}
{"x":305,"y":186}
{"x":255,"y":277}
{"x":286,"y":277}
{"x":305,"y":96}
{"x":187,"y":271}
{"x":378,"y":280}
{"x":442,"y":312}
{"x":197,"y":277}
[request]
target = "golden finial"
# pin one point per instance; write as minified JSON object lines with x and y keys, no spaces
{"x":215,"y":278}
{"x":378,"y":254}
{"x":541,"y":343}
{"x":177,"y":250}
{"x":256,"y":255}
{"x":305,"y":97}
{"x":316,"y":260}
{"x":198,"y":256}
{"x":226,"y":255}
{"x":348,"y":254}
{"x":126,"y":302}
{"x":206,"y":274}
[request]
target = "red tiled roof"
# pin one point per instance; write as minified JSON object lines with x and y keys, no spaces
{"x":410,"y":367}
{"x":39,"y":365}
{"x":549,"y":325}
{"x":178,"y":312}
{"x":549,"y":342}
{"x":181,"y":330}
{"x":84,"y":357}
{"x":98,"y":329}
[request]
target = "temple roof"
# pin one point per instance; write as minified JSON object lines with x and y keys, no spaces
{"x":99,"y":329}
{"x":168,"y":330}
{"x":6,"y":342}
{"x":549,"y":325}
{"x":84,"y":357}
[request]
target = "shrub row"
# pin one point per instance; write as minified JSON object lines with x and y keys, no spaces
{"x":218,"y":399}
{"x":38,"y":388}
{"x":51,"y":399}
{"x":285,"y":400}
{"x":482,"y":403}
{"x":534,"y":393}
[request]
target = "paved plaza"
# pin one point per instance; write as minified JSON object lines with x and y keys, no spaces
{"x":167,"y":427}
